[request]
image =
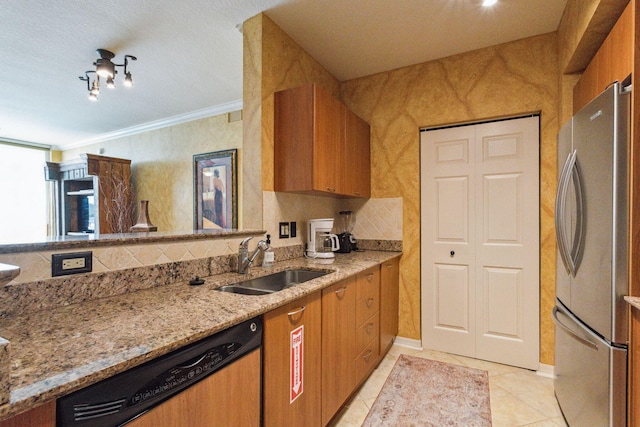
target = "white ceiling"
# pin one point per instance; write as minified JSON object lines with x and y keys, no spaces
{"x":190,"y":53}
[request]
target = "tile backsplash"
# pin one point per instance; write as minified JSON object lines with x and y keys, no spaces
{"x":376,"y":219}
{"x":36,"y":266}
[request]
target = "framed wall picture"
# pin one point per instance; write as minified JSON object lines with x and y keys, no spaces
{"x":215,"y":186}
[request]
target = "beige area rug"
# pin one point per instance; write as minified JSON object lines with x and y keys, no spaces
{"x":423,"y":392}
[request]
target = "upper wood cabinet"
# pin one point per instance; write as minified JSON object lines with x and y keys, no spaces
{"x":321,"y":147}
{"x":612,"y":62}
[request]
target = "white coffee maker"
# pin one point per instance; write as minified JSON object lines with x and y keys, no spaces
{"x":321,"y":243}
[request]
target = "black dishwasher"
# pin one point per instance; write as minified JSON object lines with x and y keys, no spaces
{"x":123,"y":397}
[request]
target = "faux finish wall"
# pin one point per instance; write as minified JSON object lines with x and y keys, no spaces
{"x":499,"y":81}
{"x":161,"y":164}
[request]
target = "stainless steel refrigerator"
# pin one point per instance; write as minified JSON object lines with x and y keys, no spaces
{"x":591,"y":278}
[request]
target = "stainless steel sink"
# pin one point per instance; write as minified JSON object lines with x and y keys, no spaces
{"x":272,"y":283}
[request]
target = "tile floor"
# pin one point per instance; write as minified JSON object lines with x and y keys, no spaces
{"x":519,"y":397}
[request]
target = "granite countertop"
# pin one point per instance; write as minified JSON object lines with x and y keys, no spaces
{"x":633,"y":301}
{"x":55,"y":352}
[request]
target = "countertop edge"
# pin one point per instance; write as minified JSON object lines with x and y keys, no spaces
{"x":633,"y":301}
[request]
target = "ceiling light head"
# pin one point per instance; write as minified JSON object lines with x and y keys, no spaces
{"x":489,"y":3}
{"x":95,"y":89}
{"x":128,"y":81}
{"x":106,"y":69}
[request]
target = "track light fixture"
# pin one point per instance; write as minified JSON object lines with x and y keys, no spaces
{"x":106,"y":69}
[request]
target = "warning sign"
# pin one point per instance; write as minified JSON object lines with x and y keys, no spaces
{"x":296,"y":363}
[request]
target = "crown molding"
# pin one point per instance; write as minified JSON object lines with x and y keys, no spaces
{"x":157,"y":124}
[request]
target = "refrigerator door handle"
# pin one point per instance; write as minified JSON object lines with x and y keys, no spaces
{"x":578,"y":242}
{"x":582,"y":340}
{"x":561,"y":199}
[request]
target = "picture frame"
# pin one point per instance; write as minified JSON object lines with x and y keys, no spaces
{"x":215,"y":190}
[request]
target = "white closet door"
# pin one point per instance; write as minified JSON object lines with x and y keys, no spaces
{"x":480,"y":241}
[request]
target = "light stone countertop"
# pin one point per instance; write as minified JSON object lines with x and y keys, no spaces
{"x":55,"y":352}
{"x":633,"y":301}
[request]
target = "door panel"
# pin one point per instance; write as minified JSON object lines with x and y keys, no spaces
{"x":480,"y":240}
{"x":447,"y":218}
{"x":501,"y":219}
{"x":452,"y":209}
{"x":503,"y":294}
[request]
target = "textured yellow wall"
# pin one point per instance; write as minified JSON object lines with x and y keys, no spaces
{"x":504,"y":80}
{"x":161,"y":164}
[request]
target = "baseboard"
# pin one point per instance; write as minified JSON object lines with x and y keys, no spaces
{"x":408,"y":343}
{"x":547,"y":371}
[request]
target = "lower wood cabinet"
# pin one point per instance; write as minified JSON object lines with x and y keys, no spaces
{"x":229,"y":397}
{"x":41,"y":416}
{"x":338,"y":346}
{"x":367,"y":322}
{"x":389,"y":303}
{"x":634,"y":369}
{"x":292,"y":364}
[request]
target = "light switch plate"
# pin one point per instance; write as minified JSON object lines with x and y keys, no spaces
{"x":284,"y":230}
{"x":71,"y":263}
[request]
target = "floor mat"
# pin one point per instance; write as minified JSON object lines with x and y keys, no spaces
{"x":423,"y":392}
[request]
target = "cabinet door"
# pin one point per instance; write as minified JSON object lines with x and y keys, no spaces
{"x":634,"y":370}
{"x":328,"y":150}
{"x":293,"y":139}
{"x":367,"y":314}
{"x":291,"y":363}
{"x":357,"y":170}
{"x":338,"y":346}
{"x":389,"y":303}
{"x":207,"y":403}
{"x":41,"y":416}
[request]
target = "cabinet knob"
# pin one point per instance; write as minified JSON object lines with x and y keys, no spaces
{"x":333,"y":190}
{"x":369,"y":328}
{"x":452,"y":253}
{"x":369,"y":302}
{"x":367,"y":356}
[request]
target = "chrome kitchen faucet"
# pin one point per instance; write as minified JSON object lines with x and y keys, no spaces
{"x":244,"y":259}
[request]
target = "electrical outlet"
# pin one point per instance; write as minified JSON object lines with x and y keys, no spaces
{"x":71,"y":263}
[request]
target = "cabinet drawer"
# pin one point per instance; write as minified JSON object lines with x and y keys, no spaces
{"x":366,"y":332}
{"x":367,"y":307}
{"x":367,"y":282}
{"x":367,"y":359}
